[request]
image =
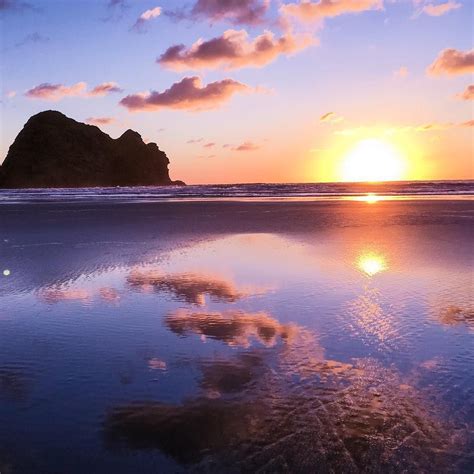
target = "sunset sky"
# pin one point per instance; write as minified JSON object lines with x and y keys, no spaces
{"x":253,"y":90}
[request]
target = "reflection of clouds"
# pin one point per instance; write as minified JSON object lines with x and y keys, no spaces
{"x":156,"y":364}
{"x":233,"y":328}
{"x":188,"y":287}
{"x":53,"y":295}
{"x":453,"y":315}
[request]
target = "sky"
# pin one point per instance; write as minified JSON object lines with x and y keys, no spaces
{"x":241,"y":91}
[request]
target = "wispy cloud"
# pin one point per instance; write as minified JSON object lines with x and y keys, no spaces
{"x":100,"y":120}
{"x":145,"y":17}
{"x":195,"y":140}
{"x":55,"y":92}
{"x":452,"y":62}
{"x":16,"y":6}
{"x":432,"y":9}
{"x":232,"y":50}
{"x":331,"y":117}
{"x":32,"y":38}
{"x":209,"y":145}
{"x":246,"y":146}
{"x":317,"y":10}
{"x":468,"y":93}
{"x":401,"y":72}
{"x":187,"y":94}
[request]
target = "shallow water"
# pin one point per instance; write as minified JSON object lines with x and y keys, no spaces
{"x":334,"y":336}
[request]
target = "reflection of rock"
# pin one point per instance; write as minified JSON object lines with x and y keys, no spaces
{"x":231,"y":375}
{"x":359,"y":422}
{"x":233,"y":328}
{"x":187,"y":287}
{"x":456,"y":315}
{"x":186,"y":431}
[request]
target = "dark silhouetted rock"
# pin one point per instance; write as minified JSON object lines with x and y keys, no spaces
{"x":53,"y":150}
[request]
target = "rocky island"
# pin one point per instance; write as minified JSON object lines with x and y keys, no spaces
{"x":53,"y":150}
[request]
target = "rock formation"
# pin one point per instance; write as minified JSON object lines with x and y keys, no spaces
{"x":53,"y":150}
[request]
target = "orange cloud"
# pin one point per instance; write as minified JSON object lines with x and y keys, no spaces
{"x":100,"y":120}
{"x":232,"y":50}
{"x":311,"y":11}
{"x":452,"y":62}
{"x":440,"y":9}
{"x":401,"y":72}
{"x":188,"y":94}
{"x":468,"y":94}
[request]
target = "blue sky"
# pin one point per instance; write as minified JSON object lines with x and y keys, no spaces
{"x":351,"y":72}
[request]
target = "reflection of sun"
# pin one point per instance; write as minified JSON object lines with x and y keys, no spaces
{"x":371,"y":263}
{"x":373,"y":160}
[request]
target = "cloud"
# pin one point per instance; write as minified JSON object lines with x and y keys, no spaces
{"x":11,"y":94}
{"x":105,"y":88}
{"x":232,"y":50}
{"x":439,"y":9}
{"x":401,"y":72}
{"x":187,"y":94}
{"x":452,"y":62}
{"x":195,"y":140}
{"x":313,"y":11}
{"x":145,"y":17}
{"x":238,"y":12}
{"x":48,"y":91}
{"x":246,"y":146}
{"x":209,"y":145}
{"x":331,"y":117}
{"x":15,"y":6}
{"x":32,"y":38}
{"x":100,"y":120}
{"x":469,"y":123}
{"x":468,"y":94}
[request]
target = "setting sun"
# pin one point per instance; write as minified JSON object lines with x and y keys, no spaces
{"x":373,"y":160}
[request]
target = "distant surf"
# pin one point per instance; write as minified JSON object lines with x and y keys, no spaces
{"x":258,"y":191}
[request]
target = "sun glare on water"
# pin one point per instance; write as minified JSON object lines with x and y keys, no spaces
{"x":373,"y":160}
{"x":371,"y":264}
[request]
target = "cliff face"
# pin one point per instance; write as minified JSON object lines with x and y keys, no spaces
{"x":53,"y":150}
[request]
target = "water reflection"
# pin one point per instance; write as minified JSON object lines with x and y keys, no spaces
{"x":233,"y":328}
{"x":371,"y":263}
{"x":188,"y":287}
{"x":453,"y":315}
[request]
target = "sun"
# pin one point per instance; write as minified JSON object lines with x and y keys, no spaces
{"x":373,"y":160}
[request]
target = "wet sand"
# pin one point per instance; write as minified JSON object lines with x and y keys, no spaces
{"x":237,"y":336}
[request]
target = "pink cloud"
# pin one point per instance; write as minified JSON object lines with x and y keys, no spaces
{"x":440,"y":9}
{"x":311,"y":11}
{"x":236,"y":11}
{"x":331,"y":117}
{"x":246,"y":146}
{"x":47,"y":91}
{"x":105,"y":88}
{"x":187,"y":94}
{"x":468,"y":94}
{"x":145,"y":17}
{"x":195,"y":140}
{"x":232,"y":50}
{"x":452,"y":62}
{"x":209,"y":145}
{"x":100,"y":120}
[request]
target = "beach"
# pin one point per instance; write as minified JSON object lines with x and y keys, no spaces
{"x":237,"y":335}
